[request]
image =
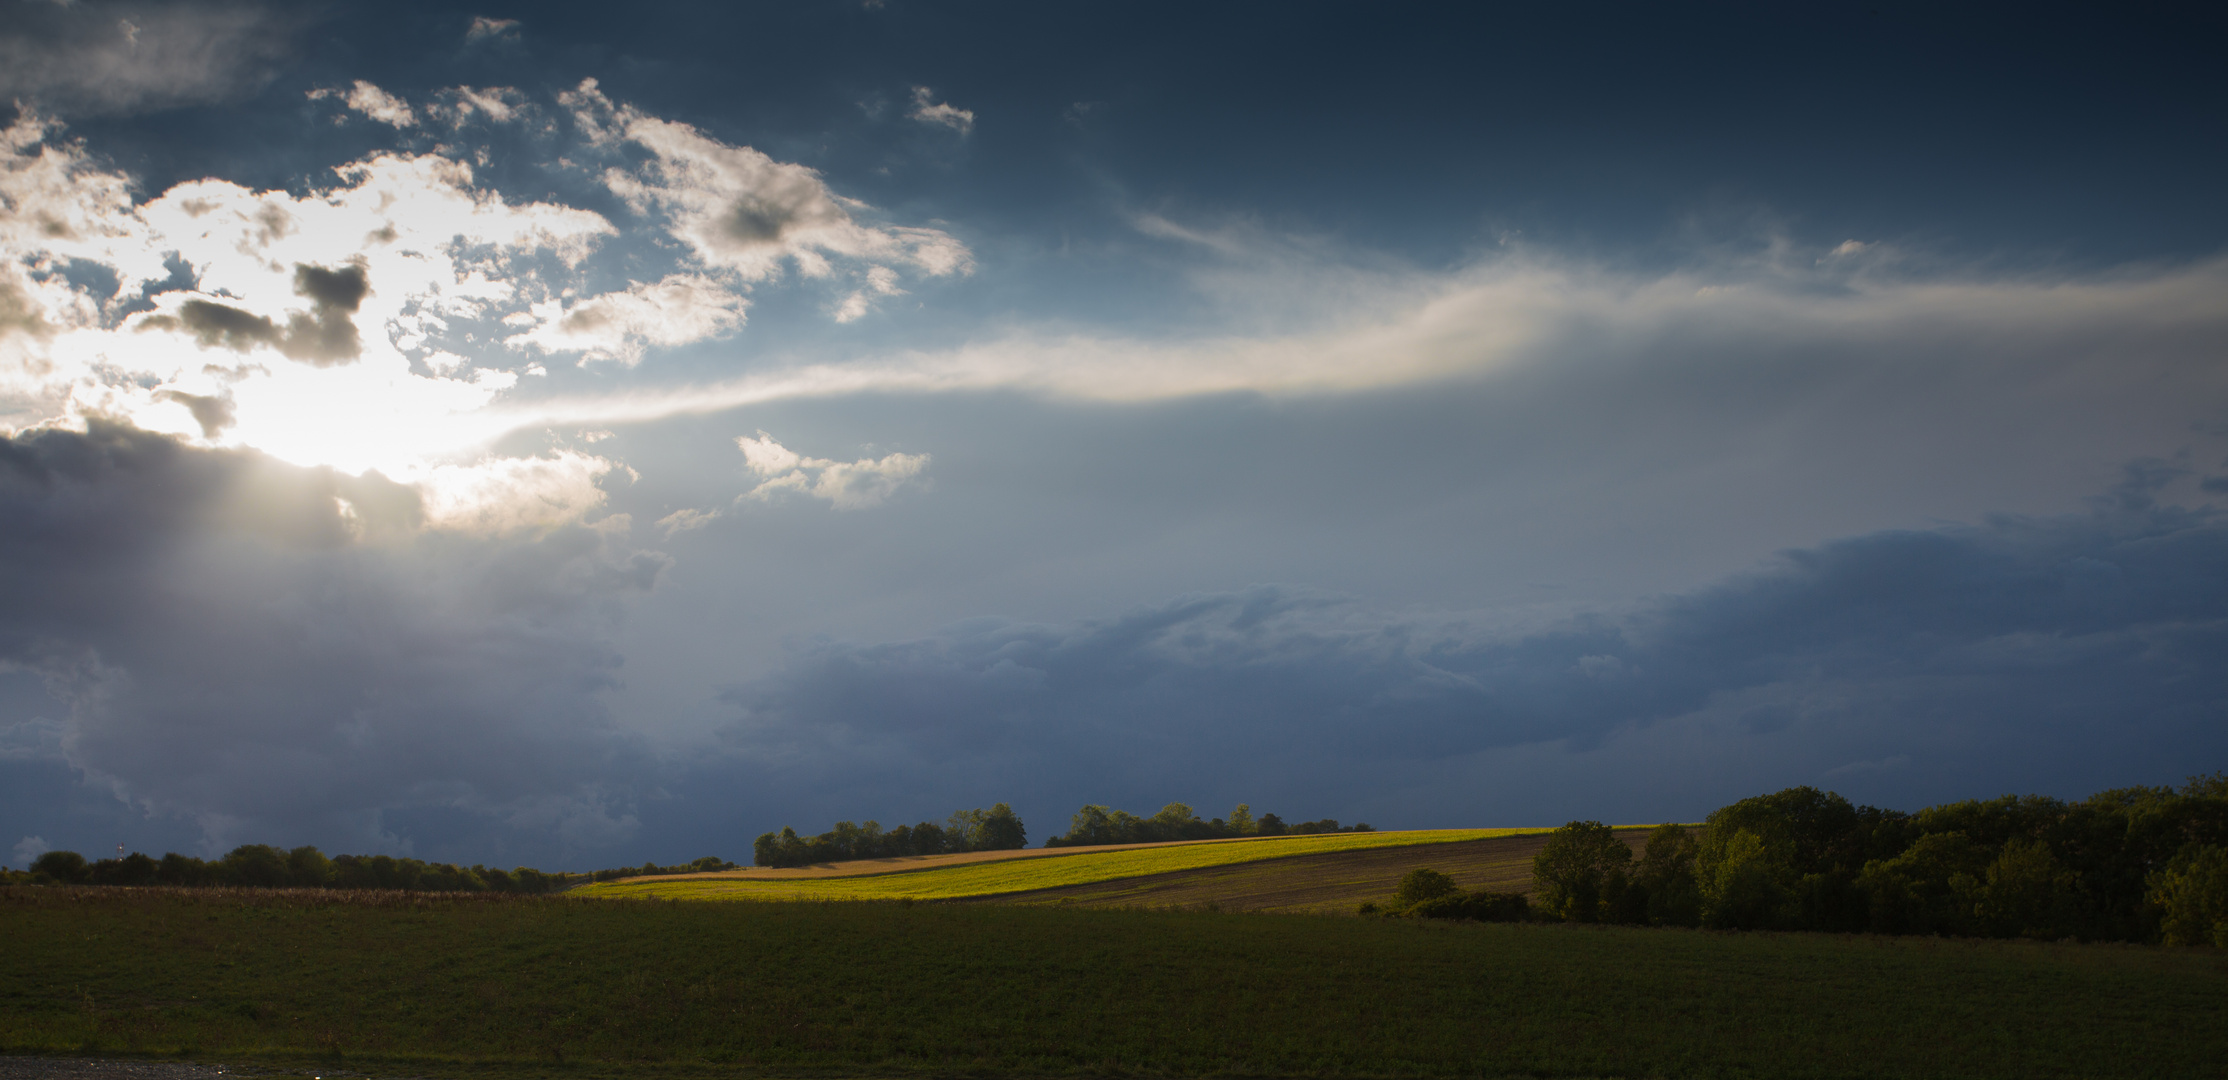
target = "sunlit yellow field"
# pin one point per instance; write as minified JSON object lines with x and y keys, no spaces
{"x":1085,"y":866}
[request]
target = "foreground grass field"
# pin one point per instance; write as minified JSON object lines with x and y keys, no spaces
{"x":1064,"y":867}
{"x":411,"y":985}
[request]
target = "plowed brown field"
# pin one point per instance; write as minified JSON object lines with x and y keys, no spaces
{"x":1333,"y":883}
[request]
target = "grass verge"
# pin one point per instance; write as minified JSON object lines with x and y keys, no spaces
{"x":448,"y":987}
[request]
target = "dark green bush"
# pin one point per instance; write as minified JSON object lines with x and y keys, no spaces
{"x":67,"y":867}
{"x":1423,"y":884}
{"x":1480,"y":906}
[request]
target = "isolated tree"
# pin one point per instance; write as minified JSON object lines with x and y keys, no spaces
{"x":1582,"y":870}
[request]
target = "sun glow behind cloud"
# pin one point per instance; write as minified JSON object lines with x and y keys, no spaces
{"x":373,"y":322}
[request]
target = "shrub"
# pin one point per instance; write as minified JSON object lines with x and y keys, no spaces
{"x":67,"y":867}
{"x":1481,"y":906}
{"x":1423,"y":884}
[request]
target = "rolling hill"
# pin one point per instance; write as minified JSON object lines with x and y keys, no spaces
{"x":1279,"y":873}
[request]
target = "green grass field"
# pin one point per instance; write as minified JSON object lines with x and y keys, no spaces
{"x":1084,"y":867}
{"x":403,"y":985}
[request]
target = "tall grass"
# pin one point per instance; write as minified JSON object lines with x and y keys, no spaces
{"x":439,"y":986}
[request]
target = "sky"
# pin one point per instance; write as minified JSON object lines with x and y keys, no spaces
{"x":550,"y":436}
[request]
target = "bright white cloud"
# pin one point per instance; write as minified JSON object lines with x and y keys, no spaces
{"x":309,"y":312}
{"x":741,"y":210}
{"x":849,"y":485}
{"x":372,"y":102}
{"x":929,"y":111}
{"x":500,"y":104}
{"x":678,"y":310}
{"x":505,"y":495}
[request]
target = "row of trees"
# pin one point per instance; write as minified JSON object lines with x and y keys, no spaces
{"x":1095,"y":825}
{"x":261,"y":866}
{"x":995,"y":829}
{"x":2134,"y":864}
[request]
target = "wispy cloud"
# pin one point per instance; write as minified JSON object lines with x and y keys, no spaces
{"x":99,"y":57}
{"x":372,"y":102}
{"x":847,"y":485}
{"x":484,"y":27}
{"x":928,"y":110}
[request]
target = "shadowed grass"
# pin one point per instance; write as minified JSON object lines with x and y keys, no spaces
{"x":1081,"y":867}
{"x":557,"y":987}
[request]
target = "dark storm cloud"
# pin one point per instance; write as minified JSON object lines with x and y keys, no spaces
{"x":282,"y":654}
{"x":2069,"y":638}
{"x":322,"y":338}
{"x":100,"y":57}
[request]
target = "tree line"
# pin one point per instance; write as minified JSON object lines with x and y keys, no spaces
{"x":261,"y":866}
{"x":1096,"y":825}
{"x":2141,"y":864}
{"x":995,"y":829}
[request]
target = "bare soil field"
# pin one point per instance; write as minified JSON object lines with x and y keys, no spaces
{"x":1334,"y":883}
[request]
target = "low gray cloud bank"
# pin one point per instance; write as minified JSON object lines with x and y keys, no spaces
{"x":2021,"y":653}
{"x":294,"y":655}
{"x":289,"y":655}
